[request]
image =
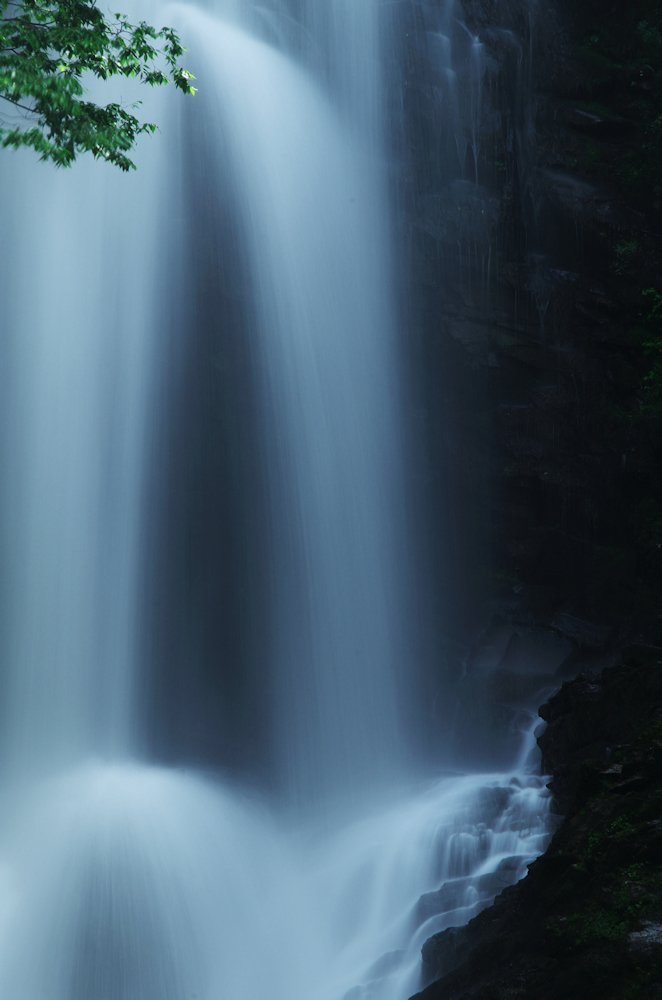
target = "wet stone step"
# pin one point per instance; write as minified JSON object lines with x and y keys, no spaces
{"x":461,"y":892}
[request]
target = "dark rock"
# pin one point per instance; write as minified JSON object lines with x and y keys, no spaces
{"x":586,"y":922}
{"x":529,"y":258}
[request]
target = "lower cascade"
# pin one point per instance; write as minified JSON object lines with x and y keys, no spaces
{"x":321,"y":873}
{"x":121,"y":880}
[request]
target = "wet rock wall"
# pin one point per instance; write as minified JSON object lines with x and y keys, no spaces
{"x":533,"y":258}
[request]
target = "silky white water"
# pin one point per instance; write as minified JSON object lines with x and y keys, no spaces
{"x":318,"y":249}
{"x":120,"y":880}
{"x":125,"y":881}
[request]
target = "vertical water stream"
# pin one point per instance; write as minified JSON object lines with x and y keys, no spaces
{"x":318,"y":247}
{"x":120,"y":880}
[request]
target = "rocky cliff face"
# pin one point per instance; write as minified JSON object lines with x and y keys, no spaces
{"x":530,"y":198}
{"x":530,"y":203}
{"x":587,"y":921}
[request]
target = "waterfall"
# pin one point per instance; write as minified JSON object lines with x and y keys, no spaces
{"x":121,"y":879}
{"x":77,"y":273}
{"x":327,"y":379}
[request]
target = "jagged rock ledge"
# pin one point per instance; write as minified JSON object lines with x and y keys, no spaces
{"x":587,"y":921}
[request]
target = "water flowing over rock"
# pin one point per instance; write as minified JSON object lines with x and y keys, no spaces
{"x":586,"y":920}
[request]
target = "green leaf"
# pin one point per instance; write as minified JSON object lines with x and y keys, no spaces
{"x":45,"y":48}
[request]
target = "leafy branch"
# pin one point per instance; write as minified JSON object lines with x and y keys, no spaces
{"x":46,"y":46}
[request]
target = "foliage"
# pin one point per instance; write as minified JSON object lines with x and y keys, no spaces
{"x":622,"y":73}
{"x":47,"y":47}
{"x":653,"y":347}
{"x":600,"y":880}
{"x":628,"y":254}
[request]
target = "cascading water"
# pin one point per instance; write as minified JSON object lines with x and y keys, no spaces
{"x":327,"y":385}
{"x":126,"y":881}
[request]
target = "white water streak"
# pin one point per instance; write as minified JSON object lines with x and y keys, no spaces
{"x":318,"y":246}
{"x":77,"y":330}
